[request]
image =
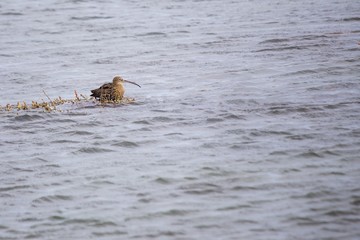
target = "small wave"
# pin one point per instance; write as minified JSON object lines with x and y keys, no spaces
{"x":245,"y":221}
{"x":126,"y":144}
{"x":236,"y":131}
{"x":3,"y":227}
{"x":142,"y":122}
{"x":209,"y":145}
{"x":53,"y":198}
{"x":159,"y":235}
{"x":12,"y":14}
{"x":162,"y":180}
{"x":333,"y":173}
{"x":27,"y":117}
{"x":356,"y":200}
{"x":162,"y":119}
{"x":93,"y":150}
{"x":103,"y":182}
{"x":302,"y":72}
{"x":207,"y":226}
{"x":66,"y":120}
{"x":275,"y":40}
{"x":234,"y":207}
{"x":173,"y":134}
{"x":65,"y":141}
{"x":315,"y":195}
{"x":202,"y":188}
{"x":296,"y":109}
{"x":306,"y":221}
{"x":6,"y":55}
{"x":335,"y":213}
{"x":50,"y":166}
{"x":53,"y":32}
{"x":175,"y":212}
{"x":145,"y":129}
{"x":351,"y":19}
{"x":89,"y":222}
{"x":103,"y":61}
{"x":216,"y":171}
{"x":56,"y":217}
{"x":310,"y":154}
{"x":278,"y":153}
{"x":244,"y":188}
{"x":48,"y":10}
{"x":22,"y":169}
{"x":81,"y":133}
{"x":353,"y":49}
{"x":301,"y":136}
{"x":282,"y":49}
{"x":237,"y":101}
{"x":314,"y":37}
{"x":257,"y":133}
{"x":30,"y":219}
{"x":232,"y":116}
{"x":214,"y":120}
{"x":235,"y":147}
{"x":151,"y":34}
{"x":89,"y":124}
{"x":5,"y":189}
{"x":104,"y":234}
{"x":90,"y":18}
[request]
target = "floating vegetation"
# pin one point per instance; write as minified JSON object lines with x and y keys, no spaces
{"x":51,"y":104}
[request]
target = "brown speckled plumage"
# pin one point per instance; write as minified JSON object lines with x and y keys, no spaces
{"x":111,"y":91}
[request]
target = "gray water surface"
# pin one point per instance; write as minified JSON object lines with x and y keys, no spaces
{"x":246,"y":125}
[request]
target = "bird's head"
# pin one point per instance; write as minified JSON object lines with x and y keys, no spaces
{"x":119,"y":80}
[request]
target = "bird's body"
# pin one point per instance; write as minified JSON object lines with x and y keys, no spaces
{"x":111,"y":91}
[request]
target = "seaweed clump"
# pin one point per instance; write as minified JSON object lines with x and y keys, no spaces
{"x":51,"y":105}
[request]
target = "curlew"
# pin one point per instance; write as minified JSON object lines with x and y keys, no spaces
{"x":111,"y":91}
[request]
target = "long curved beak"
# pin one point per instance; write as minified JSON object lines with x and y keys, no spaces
{"x":132,"y":83}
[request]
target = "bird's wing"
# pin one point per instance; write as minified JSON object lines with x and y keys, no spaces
{"x":106,"y":86}
{"x":104,"y":89}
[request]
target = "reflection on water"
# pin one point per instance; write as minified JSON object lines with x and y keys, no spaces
{"x":246,"y":125}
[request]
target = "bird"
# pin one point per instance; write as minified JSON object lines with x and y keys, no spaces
{"x":111,"y":91}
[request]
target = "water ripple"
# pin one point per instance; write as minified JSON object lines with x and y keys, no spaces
{"x":51,"y":199}
{"x":80,"y":133}
{"x":28,"y":117}
{"x":126,"y":144}
{"x":201,"y":188}
{"x":5,"y":189}
{"x":93,"y":150}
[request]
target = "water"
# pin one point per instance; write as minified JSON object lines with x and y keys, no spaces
{"x":246,"y":125}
